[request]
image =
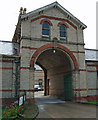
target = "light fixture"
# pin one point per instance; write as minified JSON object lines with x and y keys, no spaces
{"x":54,"y":51}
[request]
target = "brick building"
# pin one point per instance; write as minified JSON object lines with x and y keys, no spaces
{"x":52,"y":38}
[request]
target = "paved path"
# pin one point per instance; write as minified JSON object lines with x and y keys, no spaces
{"x":54,"y":108}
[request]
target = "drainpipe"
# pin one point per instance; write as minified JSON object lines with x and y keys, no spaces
{"x":16,"y":78}
{"x":45,"y":83}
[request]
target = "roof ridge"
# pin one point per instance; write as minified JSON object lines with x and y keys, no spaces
{"x":91,"y":49}
{"x":39,"y":8}
{"x":51,"y":5}
{"x":8,"y":41}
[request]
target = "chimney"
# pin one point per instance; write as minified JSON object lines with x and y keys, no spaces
{"x":21,"y":10}
{"x":24,"y":11}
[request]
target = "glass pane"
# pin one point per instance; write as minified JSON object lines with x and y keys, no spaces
{"x":40,"y":83}
{"x":45,"y":32}
{"x":45,"y":25}
{"x":62,"y":34}
{"x":62,"y":28}
{"x":45,"y":28}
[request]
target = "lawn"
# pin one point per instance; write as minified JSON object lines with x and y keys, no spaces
{"x":0,"y":114}
{"x":93,"y":102}
{"x":30,"y":111}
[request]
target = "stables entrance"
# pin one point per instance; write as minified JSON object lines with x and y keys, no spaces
{"x":57,"y":61}
{"x":57,"y":66}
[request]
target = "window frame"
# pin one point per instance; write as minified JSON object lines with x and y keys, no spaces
{"x":47,"y":29}
{"x":63,"y":31}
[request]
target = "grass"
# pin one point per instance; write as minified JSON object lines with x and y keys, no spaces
{"x":0,"y":114}
{"x":30,"y":110}
{"x":93,"y":102}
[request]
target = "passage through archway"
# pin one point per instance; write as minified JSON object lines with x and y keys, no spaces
{"x":58,"y":67}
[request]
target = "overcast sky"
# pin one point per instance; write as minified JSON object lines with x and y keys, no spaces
{"x":84,"y":10}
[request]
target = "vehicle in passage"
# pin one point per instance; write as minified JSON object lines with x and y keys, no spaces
{"x":37,"y":88}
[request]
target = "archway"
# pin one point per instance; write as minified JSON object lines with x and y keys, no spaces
{"x":58,"y":64}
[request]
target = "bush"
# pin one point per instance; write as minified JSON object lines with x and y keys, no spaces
{"x":13,"y":111}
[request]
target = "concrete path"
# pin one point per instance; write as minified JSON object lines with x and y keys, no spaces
{"x":55,"y":108}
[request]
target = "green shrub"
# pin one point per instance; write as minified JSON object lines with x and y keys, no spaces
{"x":12,"y":111}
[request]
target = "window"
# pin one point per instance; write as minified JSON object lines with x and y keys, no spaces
{"x":62,"y":31}
{"x":45,"y":29}
{"x":40,"y":83}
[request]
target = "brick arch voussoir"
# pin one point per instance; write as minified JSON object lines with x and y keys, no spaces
{"x":63,"y":24}
{"x":70,"y":54}
{"x":38,"y":51}
{"x":51,"y":45}
{"x":45,"y":20}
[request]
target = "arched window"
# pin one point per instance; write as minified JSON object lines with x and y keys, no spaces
{"x":62,"y":31}
{"x":45,"y":29}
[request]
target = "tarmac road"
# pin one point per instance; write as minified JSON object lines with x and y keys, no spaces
{"x":55,"y":108}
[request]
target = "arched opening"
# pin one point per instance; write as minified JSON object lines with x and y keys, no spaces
{"x":38,"y":81}
{"x":58,"y":66}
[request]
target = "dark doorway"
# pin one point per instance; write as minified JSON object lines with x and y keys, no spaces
{"x":68,"y":87}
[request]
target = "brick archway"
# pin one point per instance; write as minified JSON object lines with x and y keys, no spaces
{"x":51,"y":45}
{"x":63,"y":24}
{"x":45,"y":20}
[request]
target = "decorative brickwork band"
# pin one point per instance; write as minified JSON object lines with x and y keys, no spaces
{"x":24,"y":47}
{"x":30,"y":48}
{"x":63,"y":24}
{"x":82,"y":70}
{"x":91,"y":71}
{"x":85,"y":89}
{"x":24,"y":67}
{"x":8,"y":90}
{"x":6,"y":68}
{"x":29,"y":90}
{"x":54,"y":18}
{"x":79,"y":89}
{"x":78,"y":52}
{"x":45,"y":20}
{"x":8,"y":61}
{"x":87,"y":70}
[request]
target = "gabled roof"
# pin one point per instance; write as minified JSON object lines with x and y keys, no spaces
{"x":50,"y":6}
{"x":9,"y":48}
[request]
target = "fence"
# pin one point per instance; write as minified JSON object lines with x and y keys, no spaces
{"x":21,"y":99}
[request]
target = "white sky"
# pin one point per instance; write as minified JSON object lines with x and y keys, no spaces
{"x":84,"y":10}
